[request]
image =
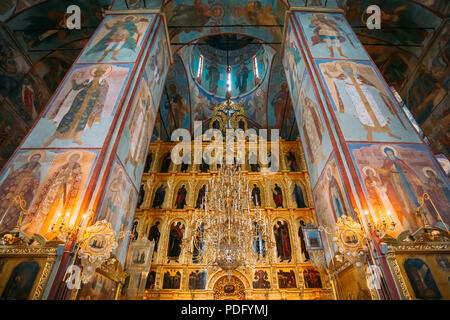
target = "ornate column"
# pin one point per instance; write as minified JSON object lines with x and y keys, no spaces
{"x":87,"y":151}
{"x":362,"y":153}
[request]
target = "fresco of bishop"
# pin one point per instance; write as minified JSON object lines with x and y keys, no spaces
{"x":124,"y":34}
{"x":85,"y":109}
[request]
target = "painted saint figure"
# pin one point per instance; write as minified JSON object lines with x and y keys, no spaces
{"x":282,"y":102}
{"x":23,"y":182}
{"x":175,"y":240}
{"x":298,"y":195}
{"x":178,"y":107}
{"x":241,"y":78}
{"x":335,"y":195}
{"x":312,"y":128}
{"x":28,"y":98}
{"x":86,"y":108}
{"x":124,"y":34}
{"x":154,"y":234}
{"x":283,"y":244}
{"x":421,"y":279}
{"x":292,"y":162}
{"x":301,"y":235}
{"x":180,"y":201}
{"x":213,"y":77}
{"x":160,"y":193}
{"x":57,"y":194}
{"x":166,"y":163}
{"x":148,"y":162}
{"x":141,"y":196}
{"x":256,"y":195}
{"x":326,"y":30}
{"x":200,"y":197}
{"x":277,"y":196}
{"x":261,"y":280}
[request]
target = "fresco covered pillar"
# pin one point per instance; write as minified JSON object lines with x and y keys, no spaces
{"x":363,"y":154}
{"x":85,"y":154}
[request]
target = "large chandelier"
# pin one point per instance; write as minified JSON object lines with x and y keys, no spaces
{"x":227,"y":232}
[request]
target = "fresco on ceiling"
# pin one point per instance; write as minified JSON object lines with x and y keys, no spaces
{"x":133,"y":145}
{"x":436,"y":128}
{"x":394,"y":178}
{"x":330,"y":36}
{"x":12,"y":130}
{"x":117,"y":206}
{"x":51,"y":19}
{"x":395,"y":63}
{"x":158,"y":64}
{"x":397,"y":19}
{"x":118,"y":39}
{"x":439,"y":6}
{"x":331,"y":202}
{"x":8,"y":8}
{"x":246,"y":75}
{"x":280,"y":112}
{"x":175,"y":103}
{"x":51,"y":182}
{"x":210,"y":15}
{"x":81,"y":112}
{"x":53,"y":67}
{"x":431,"y":83}
{"x":311,"y":125}
{"x":137,"y":4}
{"x":362,"y":104}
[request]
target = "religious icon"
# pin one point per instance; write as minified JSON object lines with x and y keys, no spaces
{"x":213,"y":77}
{"x":259,"y":243}
{"x":327,"y":30}
{"x":85,"y":109}
{"x":24,"y":182}
{"x":172,"y":279}
{"x":197,"y":280}
{"x":421,"y":279}
{"x":277,"y":196}
{"x":283,"y":244}
{"x":256,"y":195}
{"x":180,"y":201}
{"x":200,"y":197}
{"x":154,"y":235}
{"x":141,"y":196}
{"x":253,"y":161}
{"x":359,"y":83}
{"x":286,"y":279}
{"x":298,"y":195}
{"x":204,"y":167}
{"x":199,"y":244}
{"x":166,"y":163}
{"x":28,"y":99}
{"x":58,"y":194}
{"x":292,"y":162}
{"x":302,"y":237}
{"x":151,"y":278}
{"x":312,"y":278}
{"x":175,"y":241}
{"x":21,"y":281}
{"x":148,"y":162}
{"x":312,"y":128}
{"x":261,"y":280}
{"x":124,"y":34}
{"x":436,"y":189}
{"x":178,"y":106}
{"x":140,"y":125}
{"x":134,"y":232}
{"x":160,"y":193}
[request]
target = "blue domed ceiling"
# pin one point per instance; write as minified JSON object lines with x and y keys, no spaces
{"x":247,"y":58}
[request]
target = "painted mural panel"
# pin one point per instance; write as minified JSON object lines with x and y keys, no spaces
{"x":135,"y":137}
{"x":117,"y":206}
{"x":394,"y":178}
{"x":210,"y":15}
{"x":83,"y":109}
{"x":313,"y":3}
{"x":331,"y":202}
{"x":362,"y":104}
{"x":12,"y":130}
{"x":51,"y":17}
{"x":330,"y":36}
{"x":51,"y":182}
{"x":294,"y":64}
{"x":159,"y":62}
{"x":315,"y":138}
{"x":436,"y":128}
{"x":118,"y":39}
{"x":175,"y":103}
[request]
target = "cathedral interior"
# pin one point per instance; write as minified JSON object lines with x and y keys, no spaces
{"x":338,"y":190}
